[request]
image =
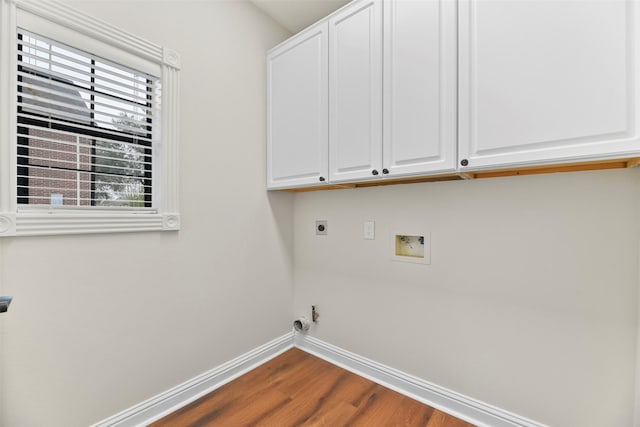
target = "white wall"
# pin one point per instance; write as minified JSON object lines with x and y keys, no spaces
{"x":102,"y":322}
{"x":637,"y":411}
{"x":530,"y":301}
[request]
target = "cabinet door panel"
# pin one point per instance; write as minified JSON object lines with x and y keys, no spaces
{"x":547,"y":81}
{"x":420,"y":79}
{"x":297,"y":144}
{"x":355,"y":118}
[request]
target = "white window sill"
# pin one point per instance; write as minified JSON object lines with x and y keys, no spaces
{"x":64,"y":222}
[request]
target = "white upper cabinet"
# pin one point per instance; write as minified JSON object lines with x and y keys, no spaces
{"x":402,"y":88}
{"x":355,"y":92}
{"x":420,"y":81}
{"x":547,"y":81}
{"x":297,"y":110}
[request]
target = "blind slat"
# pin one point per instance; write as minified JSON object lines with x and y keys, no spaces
{"x":102,"y":66}
{"x":68,"y":101}
{"x":115,"y":134}
{"x":44,"y":113}
{"x":82,"y":145}
{"x":140,"y":101}
{"x":73,"y":73}
{"x":73,"y":180}
{"x":99,"y":85}
{"x":81,"y":151}
{"x":43,"y":168}
{"x":80,"y":166}
{"x":67,"y":189}
{"x":37,"y":83}
{"x":88,"y":199}
{"x":138,"y":126}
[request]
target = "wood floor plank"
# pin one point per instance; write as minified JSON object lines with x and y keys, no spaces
{"x":247,"y":411}
{"x":298,"y":389}
{"x":411,"y":413}
{"x":230,"y":394}
{"x":441,"y":419}
{"x":331,"y":415}
{"x":378,"y":410}
{"x":212,"y":403}
{"x":313,"y":369}
{"x":307,"y":400}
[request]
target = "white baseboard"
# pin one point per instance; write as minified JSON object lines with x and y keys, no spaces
{"x":456,"y":404}
{"x":171,"y":400}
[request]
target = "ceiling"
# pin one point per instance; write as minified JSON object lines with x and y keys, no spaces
{"x":295,"y":15}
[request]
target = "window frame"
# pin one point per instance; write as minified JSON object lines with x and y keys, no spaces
{"x":43,"y":18}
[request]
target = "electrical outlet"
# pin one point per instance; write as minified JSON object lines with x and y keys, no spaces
{"x":321,"y":227}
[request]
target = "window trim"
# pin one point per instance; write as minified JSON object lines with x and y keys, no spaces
{"x":22,"y":220}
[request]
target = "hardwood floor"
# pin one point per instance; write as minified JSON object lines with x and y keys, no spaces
{"x":298,"y":389}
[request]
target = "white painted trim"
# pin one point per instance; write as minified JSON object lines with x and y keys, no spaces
{"x":76,"y":20}
{"x":171,"y":400}
{"x":8,"y":124}
{"x":39,"y":224}
{"x":456,"y":404}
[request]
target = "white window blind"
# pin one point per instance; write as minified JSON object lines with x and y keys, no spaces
{"x":86,"y":129}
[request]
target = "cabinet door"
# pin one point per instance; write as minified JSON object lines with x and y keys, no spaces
{"x":355,"y":92}
{"x":420,"y":80}
{"x":547,"y":81}
{"x":297,"y":117}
